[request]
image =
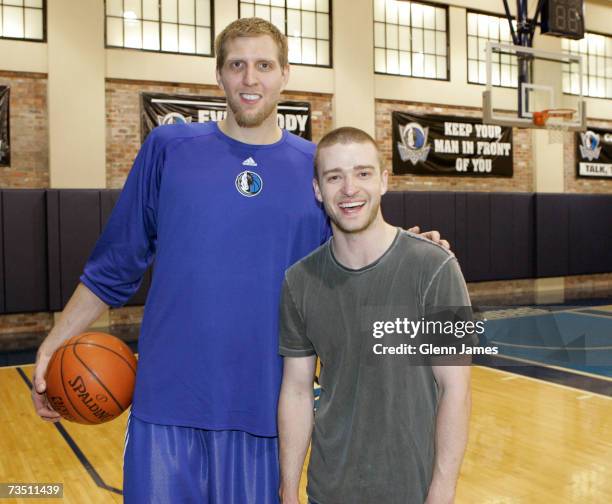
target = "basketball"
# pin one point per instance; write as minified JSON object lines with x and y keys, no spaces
{"x":90,"y":378}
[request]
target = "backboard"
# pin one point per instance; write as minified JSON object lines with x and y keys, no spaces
{"x":523,"y":80}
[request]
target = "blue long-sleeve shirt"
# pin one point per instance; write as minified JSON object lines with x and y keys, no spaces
{"x":223,"y":220}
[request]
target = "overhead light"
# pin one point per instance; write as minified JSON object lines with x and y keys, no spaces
{"x":130,"y":15}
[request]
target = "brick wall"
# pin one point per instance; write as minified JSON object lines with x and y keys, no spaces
{"x":123,"y":119}
{"x":29,"y":131}
{"x":574,"y":184}
{"x":522,"y":181}
{"x":509,"y":292}
{"x":588,"y":286}
{"x":26,"y":322}
{"x":126,"y":315}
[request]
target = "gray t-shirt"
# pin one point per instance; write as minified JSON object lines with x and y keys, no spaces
{"x":373,"y":438}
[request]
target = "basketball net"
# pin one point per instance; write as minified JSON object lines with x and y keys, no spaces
{"x":555,"y":121}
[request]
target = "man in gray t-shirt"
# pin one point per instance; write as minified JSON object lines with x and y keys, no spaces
{"x":389,"y":428}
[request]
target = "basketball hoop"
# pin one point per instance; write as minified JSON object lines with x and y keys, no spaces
{"x":555,"y":120}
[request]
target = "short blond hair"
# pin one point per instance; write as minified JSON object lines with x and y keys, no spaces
{"x":344,"y":135}
{"x":250,"y":27}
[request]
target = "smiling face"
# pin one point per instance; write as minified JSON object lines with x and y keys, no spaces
{"x":350,"y":184}
{"x":252,"y":79}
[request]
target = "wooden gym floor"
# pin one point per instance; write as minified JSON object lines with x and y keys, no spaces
{"x":530,"y":442}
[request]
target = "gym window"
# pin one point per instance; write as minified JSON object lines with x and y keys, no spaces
{"x":411,"y":39}
{"x":306,"y":23}
{"x":172,"y":26}
{"x":596,"y":52}
{"x":22,"y":19}
{"x":482,"y":28}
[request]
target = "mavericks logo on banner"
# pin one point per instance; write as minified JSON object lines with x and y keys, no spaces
{"x":5,"y":148}
{"x":594,"y":153}
{"x":448,"y":145}
{"x":158,"y":109}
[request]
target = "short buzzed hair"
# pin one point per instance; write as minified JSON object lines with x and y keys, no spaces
{"x":344,"y":135}
{"x":250,"y":27}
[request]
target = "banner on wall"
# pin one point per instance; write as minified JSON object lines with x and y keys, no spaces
{"x":594,"y":153}
{"x":158,"y":109}
{"x":449,"y":145}
{"x":5,"y":148}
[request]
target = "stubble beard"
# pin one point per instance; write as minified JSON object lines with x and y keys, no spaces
{"x":246,"y":120}
{"x":371,"y":218}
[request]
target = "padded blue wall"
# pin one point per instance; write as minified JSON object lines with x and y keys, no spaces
{"x":46,"y":237}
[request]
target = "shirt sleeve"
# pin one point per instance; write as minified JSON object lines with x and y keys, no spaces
{"x":127,"y":245}
{"x":447,"y":287}
{"x":447,"y":300}
{"x":292,"y":339}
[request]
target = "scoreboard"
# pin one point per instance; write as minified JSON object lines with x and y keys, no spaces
{"x":563,"y":18}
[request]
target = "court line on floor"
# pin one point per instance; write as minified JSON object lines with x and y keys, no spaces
{"x":75,"y":448}
{"x":584,"y":313}
{"x":546,"y":382}
{"x":540,"y":347}
{"x":514,"y":313}
{"x":556,"y":368}
{"x":9,"y":366}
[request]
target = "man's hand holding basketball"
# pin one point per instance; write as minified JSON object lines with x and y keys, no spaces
{"x":82,"y":309}
{"x":39,"y":386}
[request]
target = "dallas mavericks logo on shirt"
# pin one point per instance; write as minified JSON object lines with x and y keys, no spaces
{"x":590,"y":147}
{"x":413,"y":145}
{"x":249,"y":183}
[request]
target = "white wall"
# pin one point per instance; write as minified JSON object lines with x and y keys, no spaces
{"x":598,"y":16}
{"x":17,"y":56}
{"x":354,"y":64}
{"x":143,"y":65}
{"x":77,"y":64}
{"x":76,"y":98}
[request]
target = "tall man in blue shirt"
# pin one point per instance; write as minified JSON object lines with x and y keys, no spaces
{"x":224,"y":208}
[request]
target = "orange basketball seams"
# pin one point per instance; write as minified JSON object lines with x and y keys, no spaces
{"x":90,"y":378}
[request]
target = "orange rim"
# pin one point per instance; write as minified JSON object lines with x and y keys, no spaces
{"x":540,"y":118}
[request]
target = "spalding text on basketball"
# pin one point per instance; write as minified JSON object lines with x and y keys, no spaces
{"x":78,"y":385}
{"x":60,"y":407}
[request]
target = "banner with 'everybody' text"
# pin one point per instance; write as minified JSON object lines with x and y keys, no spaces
{"x":158,"y":109}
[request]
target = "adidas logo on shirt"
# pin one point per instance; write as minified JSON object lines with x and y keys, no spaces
{"x":249,"y":162}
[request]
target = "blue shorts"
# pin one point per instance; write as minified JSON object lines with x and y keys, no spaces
{"x":167,"y":464}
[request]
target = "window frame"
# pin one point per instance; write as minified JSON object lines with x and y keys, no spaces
{"x":161,"y":51}
{"x":43,"y":40}
{"x":585,"y":55}
{"x":447,"y":31}
{"x":467,"y":56}
{"x":331,"y":33}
